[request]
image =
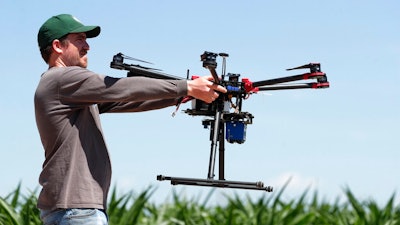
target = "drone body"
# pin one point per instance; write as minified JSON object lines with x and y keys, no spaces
{"x":225,"y":116}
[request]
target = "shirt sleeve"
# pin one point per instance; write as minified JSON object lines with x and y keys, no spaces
{"x":136,"y":106}
{"x":80,"y":86}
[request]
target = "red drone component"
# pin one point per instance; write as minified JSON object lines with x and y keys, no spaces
{"x":248,"y":86}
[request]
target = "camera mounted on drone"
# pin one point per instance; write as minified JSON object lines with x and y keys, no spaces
{"x":224,"y":116}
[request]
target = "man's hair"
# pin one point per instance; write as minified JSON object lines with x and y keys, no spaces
{"x":46,"y":52}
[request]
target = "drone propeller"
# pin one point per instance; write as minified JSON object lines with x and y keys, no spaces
{"x":314,"y":67}
{"x":134,"y":59}
{"x":118,"y":63}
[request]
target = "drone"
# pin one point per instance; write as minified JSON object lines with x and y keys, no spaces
{"x":224,"y":116}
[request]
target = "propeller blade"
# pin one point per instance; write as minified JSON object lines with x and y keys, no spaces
{"x":315,"y":66}
{"x":134,"y":59}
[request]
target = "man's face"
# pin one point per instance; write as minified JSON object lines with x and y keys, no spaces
{"x":75,"y":50}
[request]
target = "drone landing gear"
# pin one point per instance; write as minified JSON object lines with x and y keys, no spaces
{"x":217,"y":135}
{"x":216,"y":183}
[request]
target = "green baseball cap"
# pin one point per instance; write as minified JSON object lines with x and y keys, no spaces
{"x":63,"y":24}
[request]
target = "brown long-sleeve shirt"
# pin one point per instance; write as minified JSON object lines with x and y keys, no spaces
{"x":68,"y":100}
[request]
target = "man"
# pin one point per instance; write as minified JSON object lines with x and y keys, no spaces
{"x":69,"y":98}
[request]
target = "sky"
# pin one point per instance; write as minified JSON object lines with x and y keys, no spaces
{"x":324,"y":140}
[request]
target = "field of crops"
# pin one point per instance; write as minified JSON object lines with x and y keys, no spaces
{"x":130,"y":208}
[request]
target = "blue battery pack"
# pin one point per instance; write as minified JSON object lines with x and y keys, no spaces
{"x":235,"y":132}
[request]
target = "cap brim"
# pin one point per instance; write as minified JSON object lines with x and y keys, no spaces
{"x":91,"y":31}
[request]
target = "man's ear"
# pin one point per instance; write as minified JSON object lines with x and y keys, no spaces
{"x":56,"y":45}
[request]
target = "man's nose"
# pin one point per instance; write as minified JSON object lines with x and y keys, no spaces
{"x":86,"y":46}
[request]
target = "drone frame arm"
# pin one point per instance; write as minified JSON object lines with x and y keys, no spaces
{"x":281,"y":83}
{"x":305,"y":76}
{"x":313,"y":85}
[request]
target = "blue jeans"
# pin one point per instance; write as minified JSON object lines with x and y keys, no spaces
{"x":73,"y":217}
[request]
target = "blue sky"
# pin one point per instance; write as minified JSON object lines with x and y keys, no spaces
{"x":325,"y":140}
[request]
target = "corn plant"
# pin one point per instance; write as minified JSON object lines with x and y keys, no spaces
{"x":16,"y":209}
{"x":136,"y":208}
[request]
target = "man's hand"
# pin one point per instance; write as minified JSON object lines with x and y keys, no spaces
{"x":204,"y":89}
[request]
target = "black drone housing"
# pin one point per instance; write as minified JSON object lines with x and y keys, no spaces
{"x":224,"y":115}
